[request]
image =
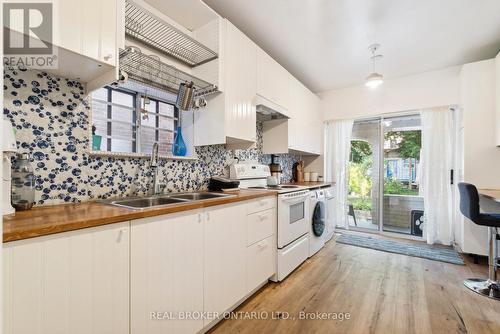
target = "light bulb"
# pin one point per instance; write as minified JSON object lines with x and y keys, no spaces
{"x":374,"y":80}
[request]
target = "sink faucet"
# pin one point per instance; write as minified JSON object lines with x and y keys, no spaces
{"x":153,"y":164}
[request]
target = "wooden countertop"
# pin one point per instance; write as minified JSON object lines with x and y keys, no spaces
{"x":493,"y":194}
{"x":311,"y":184}
{"x":53,"y":219}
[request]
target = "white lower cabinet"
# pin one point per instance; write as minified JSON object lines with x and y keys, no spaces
{"x":225,"y":252}
{"x":166,"y":273}
{"x":261,"y":262}
{"x":73,"y":282}
{"x":261,"y":224}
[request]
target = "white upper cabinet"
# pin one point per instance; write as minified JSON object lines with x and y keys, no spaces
{"x":298,"y":119}
{"x":272,"y":80}
{"x":247,"y":76}
{"x":73,"y":282}
{"x":240,"y":75}
{"x":88,"y":28}
{"x":230,"y":116}
{"x":87,"y":35}
{"x":303,"y":131}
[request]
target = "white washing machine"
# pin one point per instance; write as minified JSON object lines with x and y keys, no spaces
{"x":330,"y":213}
{"x":318,"y":221}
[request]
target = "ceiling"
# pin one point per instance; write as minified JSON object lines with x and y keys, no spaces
{"x":324,"y":42}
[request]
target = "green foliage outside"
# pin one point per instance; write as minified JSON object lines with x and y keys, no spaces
{"x":358,"y":203}
{"x":395,"y":187}
{"x":408,"y":145}
{"x":360,"y":150}
{"x":360,"y":181}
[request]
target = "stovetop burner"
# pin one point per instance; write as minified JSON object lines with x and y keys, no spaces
{"x":279,"y":188}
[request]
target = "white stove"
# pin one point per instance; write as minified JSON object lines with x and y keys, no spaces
{"x":253,"y":175}
{"x":294,"y":219}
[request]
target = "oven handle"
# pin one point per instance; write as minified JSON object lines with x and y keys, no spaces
{"x":294,"y":200}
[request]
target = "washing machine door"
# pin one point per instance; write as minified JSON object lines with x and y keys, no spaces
{"x":318,"y":219}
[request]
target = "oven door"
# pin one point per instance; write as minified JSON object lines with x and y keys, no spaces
{"x":293,"y":217}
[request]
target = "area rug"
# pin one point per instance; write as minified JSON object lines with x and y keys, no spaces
{"x":431,"y":252}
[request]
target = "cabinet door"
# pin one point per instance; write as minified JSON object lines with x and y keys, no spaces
{"x":109,"y":30}
{"x":272,"y":79}
{"x":297,"y":130}
{"x":241,"y":72}
{"x":293,"y":121}
{"x":88,"y":27}
{"x":315,"y":124}
{"x":305,"y":126}
{"x":225,"y":253}
{"x":69,"y":17}
{"x":74,"y":282}
{"x":166,"y":273}
{"x":261,"y":262}
{"x":91,"y":26}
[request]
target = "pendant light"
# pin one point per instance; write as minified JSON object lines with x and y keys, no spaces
{"x":374,"y":79}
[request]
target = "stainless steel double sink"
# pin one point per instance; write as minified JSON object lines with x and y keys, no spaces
{"x":165,"y":200}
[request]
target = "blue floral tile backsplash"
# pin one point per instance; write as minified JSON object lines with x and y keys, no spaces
{"x":52,"y":118}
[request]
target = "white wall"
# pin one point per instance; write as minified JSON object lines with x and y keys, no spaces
{"x":497,"y":93}
{"x":481,"y":156}
{"x":473,"y":87}
{"x":424,"y":90}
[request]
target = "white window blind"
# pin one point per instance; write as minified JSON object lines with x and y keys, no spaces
{"x":129,"y":123}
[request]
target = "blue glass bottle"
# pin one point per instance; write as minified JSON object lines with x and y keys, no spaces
{"x":179,"y":148}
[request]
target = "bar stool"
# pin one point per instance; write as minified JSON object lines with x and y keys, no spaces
{"x":469,"y":206}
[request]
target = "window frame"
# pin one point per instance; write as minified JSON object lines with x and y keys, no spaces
{"x":136,"y":123}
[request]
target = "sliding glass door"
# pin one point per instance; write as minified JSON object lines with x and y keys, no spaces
{"x":403,"y":207}
{"x":364,"y":175}
{"x":384,"y":172}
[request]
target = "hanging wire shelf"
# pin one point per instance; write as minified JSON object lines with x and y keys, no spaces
{"x":150,"y":71}
{"x":151,"y":30}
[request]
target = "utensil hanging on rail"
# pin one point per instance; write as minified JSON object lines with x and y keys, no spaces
{"x":185,"y":96}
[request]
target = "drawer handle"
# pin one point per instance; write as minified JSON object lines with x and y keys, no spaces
{"x":262,"y":244}
{"x":262,"y":217}
{"x":262,"y":202}
{"x":121,"y":234}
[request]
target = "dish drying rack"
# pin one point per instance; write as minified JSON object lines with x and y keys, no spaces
{"x":151,"y":30}
{"x":151,"y":71}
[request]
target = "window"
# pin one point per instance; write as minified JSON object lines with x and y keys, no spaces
{"x":131,"y":123}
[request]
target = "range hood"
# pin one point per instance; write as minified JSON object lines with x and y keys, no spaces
{"x":268,"y":110}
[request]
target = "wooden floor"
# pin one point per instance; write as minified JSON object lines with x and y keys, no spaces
{"x":382,"y":292}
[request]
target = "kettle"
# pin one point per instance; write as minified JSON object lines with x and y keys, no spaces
{"x":275,"y":169}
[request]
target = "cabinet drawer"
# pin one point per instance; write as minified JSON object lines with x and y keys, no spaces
{"x":261,"y":225}
{"x":261,"y":262}
{"x":262,"y":204}
{"x":292,"y":256}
